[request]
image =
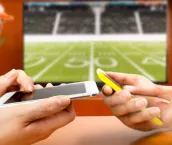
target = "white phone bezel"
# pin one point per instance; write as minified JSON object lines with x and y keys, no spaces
{"x":90,"y":86}
{"x":91,"y":90}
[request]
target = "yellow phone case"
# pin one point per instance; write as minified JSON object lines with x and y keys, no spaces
{"x":116,"y":87}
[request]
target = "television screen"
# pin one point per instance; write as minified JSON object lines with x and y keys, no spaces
{"x":68,"y":41}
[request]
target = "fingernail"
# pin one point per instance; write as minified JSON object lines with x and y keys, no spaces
{"x":155,"y":112}
{"x":64,"y":100}
{"x":125,"y":96}
{"x":140,"y":103}
{"x":30,"y":88}
{"x":129,"y":88}
{"x":11,"y":74}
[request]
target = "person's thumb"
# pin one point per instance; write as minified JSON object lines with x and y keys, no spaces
{"x":44,"y":108}
{"x":7,"y":80}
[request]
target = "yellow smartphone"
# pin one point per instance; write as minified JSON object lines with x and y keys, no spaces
{"x":116,"y":87}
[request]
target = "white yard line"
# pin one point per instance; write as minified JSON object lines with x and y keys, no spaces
{"x":40,"y":54}
{"x":51,"y":64}
{"x":138,"y":22}
{"x":91,"y":68}
{"x":134,"y":64}
{"x":56,"y":23}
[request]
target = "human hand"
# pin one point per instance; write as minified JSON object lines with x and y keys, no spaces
{"x":30,"y":123}
{"x":146,"y":94}
{"x":15,"y":80}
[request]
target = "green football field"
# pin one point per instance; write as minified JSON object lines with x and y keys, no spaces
{"x":70,"y":62}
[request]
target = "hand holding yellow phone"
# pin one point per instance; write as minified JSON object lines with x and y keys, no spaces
{"x":116,"y":87}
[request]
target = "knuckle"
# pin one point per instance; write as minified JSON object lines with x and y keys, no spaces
{"x":149,"y":116}
{"x":117,"y":114}
{"x":126,"y":92}
{"x":21,"y":71}
{"x":125,"y":120}
{"x":72,"y":116}
{"x":31,"y":80}
{"x":42,"y":134}
{"x":110,"y":101}
{"x":131,"y":107}
{"x":123,"y":80}
{"x":48,"y":107}
{"x":125,"y":96}
{"x":132,"y":119}
{"x":126,"y":109}
{"x":136,"y":78}
{"x":105,"y":100}
{"x":116,"y":111}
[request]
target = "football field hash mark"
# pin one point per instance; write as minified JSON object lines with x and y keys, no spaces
{"x":138,"y":49}
{"x":51,"y":64}
{"x":77,"y":54}
{"x":134,"y":64}
{"x":40,"y":54}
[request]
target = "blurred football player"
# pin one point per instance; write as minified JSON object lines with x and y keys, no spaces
{"x":4,"y":17}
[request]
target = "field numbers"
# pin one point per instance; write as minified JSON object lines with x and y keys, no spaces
{"x":34,"y":63}
{"x":111,"y":62}
{"x":75,"y":62}
{"x":153,"y":61}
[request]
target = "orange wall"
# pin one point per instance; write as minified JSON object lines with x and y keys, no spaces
{"x":11,"y":51}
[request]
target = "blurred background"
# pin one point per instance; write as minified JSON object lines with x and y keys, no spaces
{"x":68,"y":41}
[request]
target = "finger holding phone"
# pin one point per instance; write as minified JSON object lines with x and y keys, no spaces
{"x":156,"y":98}
{"x":30,"y":123}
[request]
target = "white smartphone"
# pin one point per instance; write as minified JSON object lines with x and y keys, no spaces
{"x":73,"y":90}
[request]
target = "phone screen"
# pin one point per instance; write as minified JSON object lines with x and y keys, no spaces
{"x":67,"y":89}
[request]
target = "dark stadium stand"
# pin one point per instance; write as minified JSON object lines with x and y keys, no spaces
{"x":76,"y":23}
{"x":38,"y":22}
{"x":153,"y":22}
{"x":116,"y":20}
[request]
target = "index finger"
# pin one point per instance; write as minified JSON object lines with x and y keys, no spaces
{"x":25,"y":82}
{"x":123,"y":78}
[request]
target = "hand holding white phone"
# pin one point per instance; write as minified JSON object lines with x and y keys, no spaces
{"x":73,"y":90}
